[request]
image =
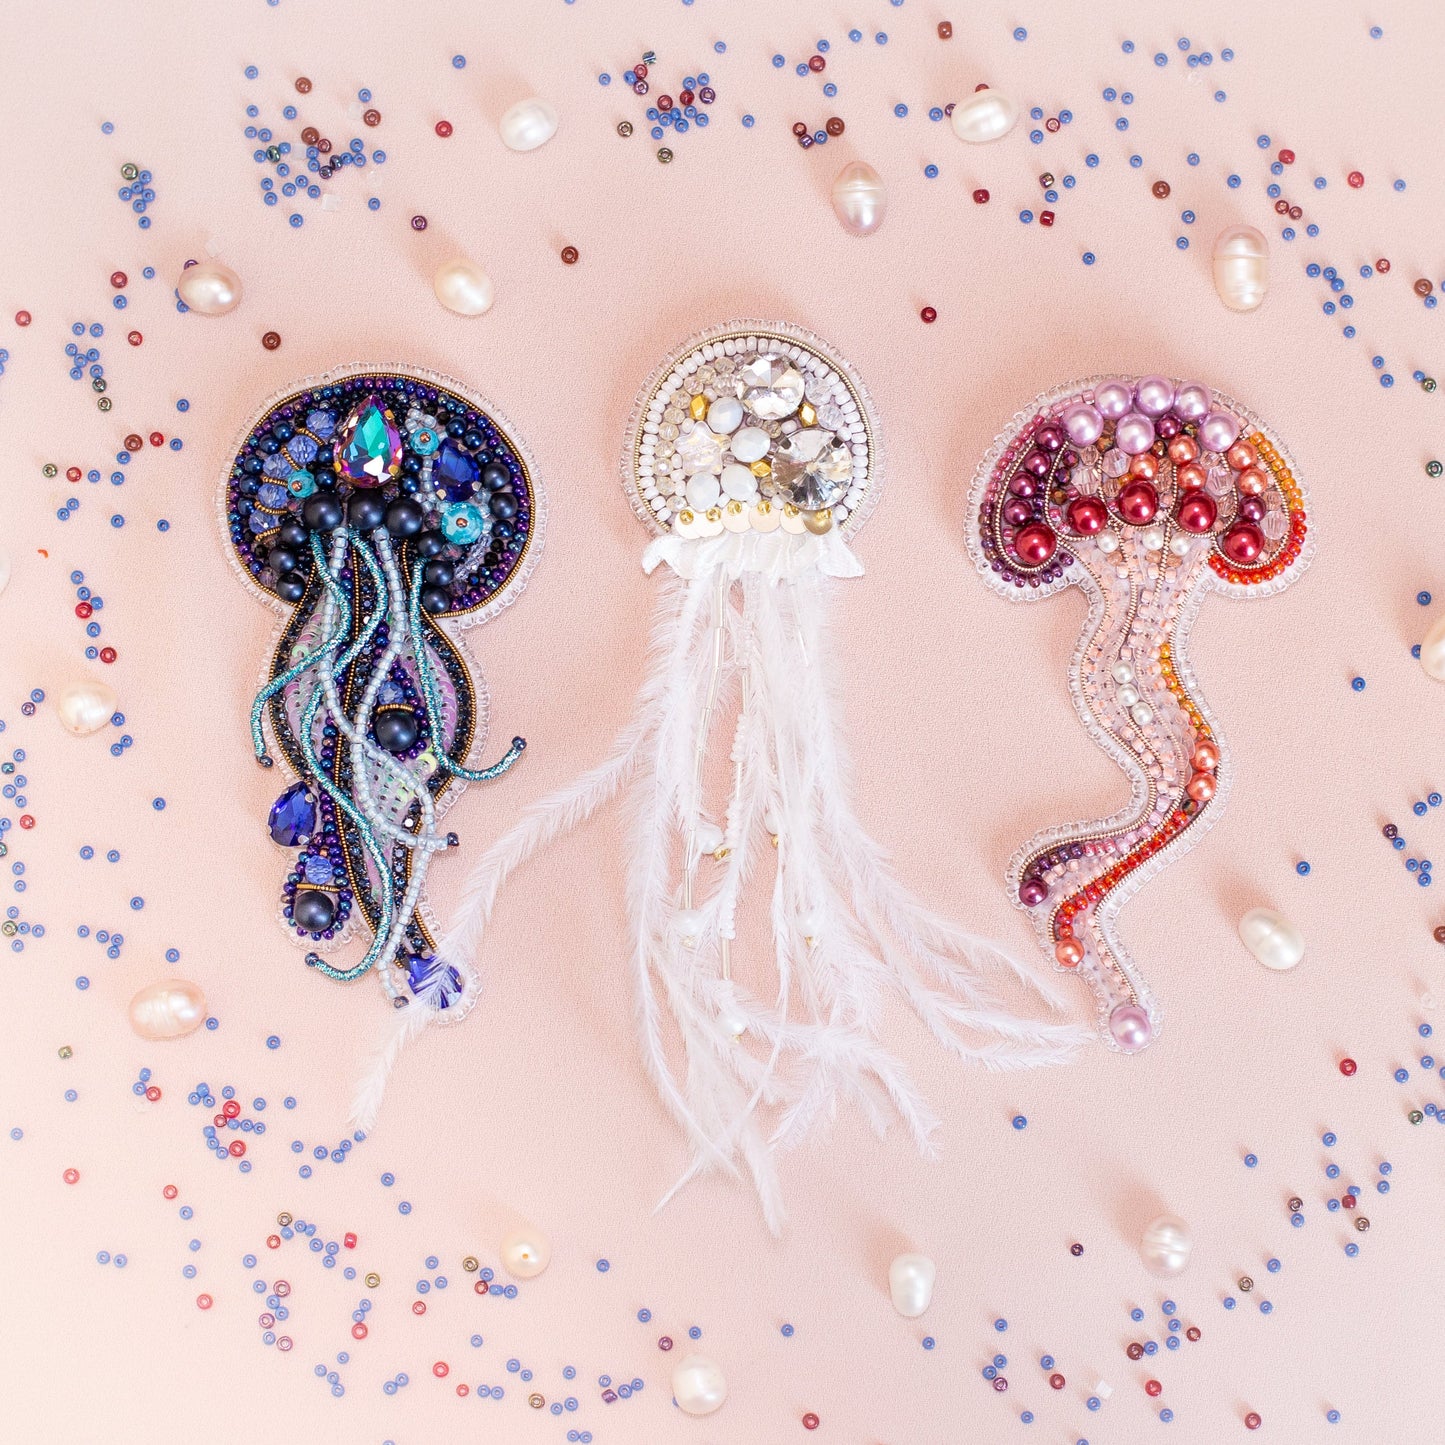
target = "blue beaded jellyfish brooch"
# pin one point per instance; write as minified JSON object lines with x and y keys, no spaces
{"x":380,"y":511}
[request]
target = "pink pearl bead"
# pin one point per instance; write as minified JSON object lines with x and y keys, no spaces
{"x":1155,"y":395}
{"x":1218,"y":431}
{"x":1134,"y":433}
{"x":1130,"y":1027}
{"x":1113,"y":399}
{"x":1191,"y":401}
{"x":1084,"y":423}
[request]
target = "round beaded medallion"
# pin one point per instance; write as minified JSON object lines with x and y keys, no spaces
{"x":752,"y":427}
{"x":372,"y":506}
{"x":1148,"y":494}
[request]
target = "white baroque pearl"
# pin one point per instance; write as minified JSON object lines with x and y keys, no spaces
{"x":526,"y":1253}
{"x":462,"y":286}
{"x":1165,"y":1246}
{"x":750,"y":444}
{"x":910,"y":1284}
{"x":1432,"y":651}
{"x":1241,"y":267}
{"x":169,"y":1009}
{"x":210,"y":288}
{"x":984,"y":116}
{"x":698,"y":1385}
{"x":860,"y":200}
{"x":1271,"y":938}
{"x":528,"y":124}
{"x":85,"y":707}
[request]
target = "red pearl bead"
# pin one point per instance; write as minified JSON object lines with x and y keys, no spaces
{"x":1035,"y":544}
{"x":1243,"y":542}
{"x":1348,"y":1067}
{"x":1197,"y":512}
{"x":1087,"y":515}
{"x":1137,"y":503}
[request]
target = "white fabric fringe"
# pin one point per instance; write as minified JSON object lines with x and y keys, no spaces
{"x":742,"y":621}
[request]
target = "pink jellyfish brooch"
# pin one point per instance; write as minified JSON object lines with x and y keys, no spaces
{"x":1148,"y":495}
{"x":766,"y":931}
{"x":380,"y":511}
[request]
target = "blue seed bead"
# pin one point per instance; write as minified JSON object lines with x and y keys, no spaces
{"x":1302,"y":868}
{"x":1229,"y":1302}
{"x":1000,"y":1362}
{"x":1250,"y":1160}
{"x":1020,"y":1121}
{"x":1000,"y":1325}
{"x":1136,"y":1314}
{"x":1047,"y":1363}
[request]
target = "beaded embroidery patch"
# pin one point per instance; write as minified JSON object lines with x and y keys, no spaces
{"x":379,"y":510}
{"x":1148,"y":495}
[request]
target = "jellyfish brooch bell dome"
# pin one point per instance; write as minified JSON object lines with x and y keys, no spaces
{"x":1149,"y":495}
{"x":752,"y":457}
{"x":380,"y":511}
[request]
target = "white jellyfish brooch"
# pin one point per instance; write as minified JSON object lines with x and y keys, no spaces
{"x":1148,"y":495}
{"x":380,"y":510}
{"x":752,"y":457}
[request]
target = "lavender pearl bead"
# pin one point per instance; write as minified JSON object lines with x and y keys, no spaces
{"x":1113,"y":398}
{"x":1130,"y":1027}
{"x":1134,"y":434}
{"x":1191,"y":401}
{"x":1218,"y":431}
{"x":1084,"y":423}
{"x":1156,"y":395}
{"x":1017,"y":512}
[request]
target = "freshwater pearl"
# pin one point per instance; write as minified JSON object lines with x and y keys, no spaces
{"x":209,"y":288}
{"x":1218,"y":431}
{"x":1165,"y":1246}
{"x":698,"y":1385}
{"x":169,"y":1009}
{"x":1130,"y":1026}
{"x":463,"y":287}
{"x":1152,"y":538}
{"x":525,"y":1254}
{"x":529,"y":124}
{"x":1113,"y":398}
{"x":85,"y":707}
{"x":1271,"y":938}
{"x":725,"y":415}
{"x":1123,"y":672}
{"x":1241,"y":267}
{"x":910,"y":1284}
{"x":984,"y":116}
{"x":1083,"y":423}
{"x":1191,"y":401}
{"x":730,"y":1014}
{"x":1128,"y":695}
{"x":860,"y":200}
{"x":1142,"y":714}
{"x":1107,"y":543}
{"x":812,"y":922}
{"x":1432,"y":651}
{"x":1155,"y":395}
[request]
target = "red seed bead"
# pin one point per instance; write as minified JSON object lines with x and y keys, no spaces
{"x":349,"y":1240}
{"x":980,"y":197}
{"x":810,"y":1421}
{"x":1056,"y":1382}
{"x":72,"y":474}
{"x":418,"y":1306}
{"x":83,"y":609}
{"x":231,"y":1109}
{"x":480,"y":1286}
{"x":799,"y":128}
{"x":153,"y":1093}
{"x":170,"y":1191}
{"x":665,"y":1343}
{"x":1000,"y":1384}
{"x":22,"y":318}
{"x":271,"y":340}
{"x":204,"y":1301}
{"x":273,"y":1241}
{"x":1153,"y":1387}
{"x":118,"y":279}
{"x":1348,"y":1201}
{"x":134,"y":442}
{"x":1252,"y":1421}
{"x":816,"y":63}
{"x":71,"y":1176}
{"x":640,"y":70}
{"x":945,"y":30}
{"x":418,"y":223}
{"x":358,"y":1331}
{"x":1046,"y":218}
{"x":444,"y":128}
{"x":685,"y":97}
{"x":664,"y":102}
{"x":158,"y":439}
{"x":1286,"y":157}
{"x":1383,"y":266}
{"x":26,"y":820}
{"x":1348,"y":1067}
{"x":1356,"y":179}
{"x":1193,"y":1334}
{"x":134,"y":337}
{"x":929,"y":315}
{"x":463,"y":1390}
{"x":569,"y":255}
{"x":1052,"y":124}
{"x":281,"y":1287}
{"x":835,"y":125}
{"x":237,"y":1148}
{"x":371,"y":117}
{"x":440,"y":1370}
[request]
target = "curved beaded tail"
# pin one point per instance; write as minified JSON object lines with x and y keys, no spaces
{"x":373,"y":505}
{"x":1148,"y":495}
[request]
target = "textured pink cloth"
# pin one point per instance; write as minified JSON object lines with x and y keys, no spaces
{"x":955,"y":707}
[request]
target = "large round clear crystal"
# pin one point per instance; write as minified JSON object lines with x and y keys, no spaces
{"x":813,"y":467}
{"x":770,"y":386}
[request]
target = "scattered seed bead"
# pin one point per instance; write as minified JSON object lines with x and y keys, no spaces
{"x":624,"y":128}
{"x":1076,"y":1250}
{"x":418,"y":223}
{"x":569,"y":255}
{"x":1057,"y":1382}
{"x":303,"y":85}
{"x":980,"y":197}
{"x":1252,"y":1421}
{"x":1355,"y":180}
{"x":929,"y":315}
{"x":1348,"y":1067}
{"x":835,"y":125}
{"x":664,"y":155}
{"x":945,"y":30}
{"x":810,"y":1420}
{"x":443,"y":128}
{"x":1161,"y":189}
{"x":1423,"y":287}
{"x":371,"y":117}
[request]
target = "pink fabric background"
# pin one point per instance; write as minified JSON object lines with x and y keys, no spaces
{"x":537,"y":1110}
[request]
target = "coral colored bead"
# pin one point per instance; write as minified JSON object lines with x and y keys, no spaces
{"x":440,"y":1369}
{"x":107,"y":654}
{"x":273,"y":1241}
{"x":22,"y":318}
{"x":463,"y":1390}
{"x":71,"y":1176}
{"x":83,"y":609}
{"x":418,"y":1307}
{"x":810,"y":1421}
{"x":204,"y":1301}
{"x":26,"y":820}
{"x":443,"y":128}
{"x":1286,"y":157}
{"x":153,"y":1093}
{"x":231,"y":1109}
{"x":349,"y":1240}
{"x":170,"y":1191}
{"x":72,"y":474}
{"x":1356,"y":180}
{"x":1069,"y":952}
{"x":237,"y":1148}
{"x":1201,"y":787}
{"x":1056,"y":1382}
{"x":980,"y":197}
{"x":1153,"y":1387}
{"x":358,"y":1331}
{"x":1348,"y":1067}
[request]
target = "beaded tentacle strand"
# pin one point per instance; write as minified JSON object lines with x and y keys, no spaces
{"x":377,"y":507}
{"x":1148,"y":494}
{"x":753,"y":456}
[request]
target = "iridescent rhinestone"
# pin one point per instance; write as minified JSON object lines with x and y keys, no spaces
{"x":814,"y":467}
{"x":770,"y":386}
{"x":369,"y":445}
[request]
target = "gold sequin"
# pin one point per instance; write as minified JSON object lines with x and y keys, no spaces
{"x":818,"y":522}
